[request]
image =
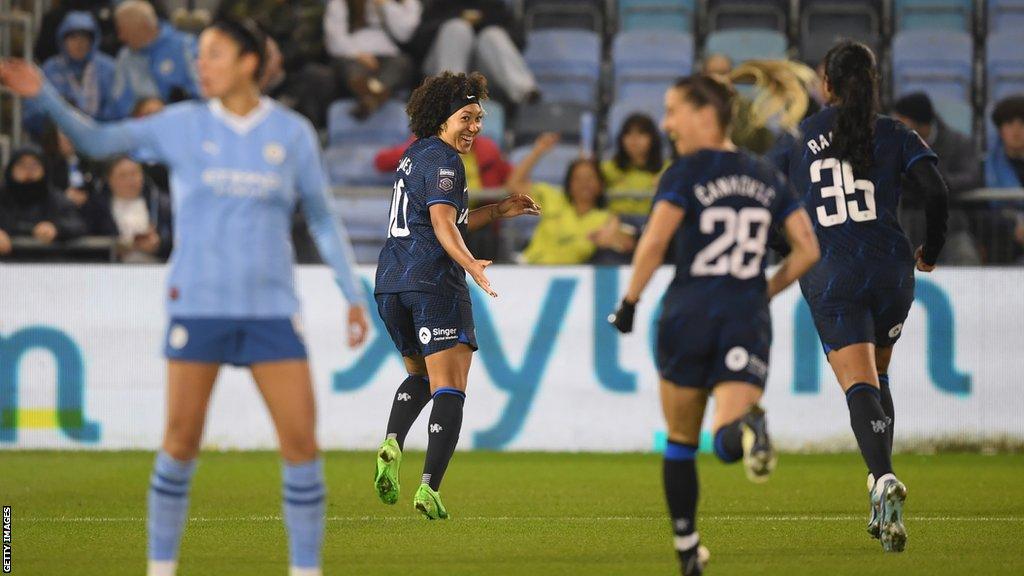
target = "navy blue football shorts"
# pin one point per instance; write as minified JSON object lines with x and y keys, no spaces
{"x":421,"y":323}
{"x":697,"y":350}
{"x":236,"y":341}
{"x":855,"y":312}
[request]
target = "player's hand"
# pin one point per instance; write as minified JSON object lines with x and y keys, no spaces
{"x":6,"y":247}
{"x":622,"y":318}
{"x":921,"y":265}
{"x":77,"y":196}
{"x":517,"y":205}
{"x":21,"y":77}
{"x":45,"y":232}
{"x":369,"y":61}
{"x":476,"y":270}
{"x":545,"y":142}
{"x":148,"y":242}
{"x":358,"y":327}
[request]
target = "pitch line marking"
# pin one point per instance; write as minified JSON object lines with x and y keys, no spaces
{"x":723,"y":518}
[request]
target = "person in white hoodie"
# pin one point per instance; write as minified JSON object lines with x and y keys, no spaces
{"x":364,"y":38}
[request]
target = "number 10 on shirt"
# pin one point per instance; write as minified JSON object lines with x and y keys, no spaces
{"x":399,"y":211}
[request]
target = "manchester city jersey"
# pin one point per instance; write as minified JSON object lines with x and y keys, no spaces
{"x":854,"y":215}
{"x":412,"y":259}
{"x":730,"y":199}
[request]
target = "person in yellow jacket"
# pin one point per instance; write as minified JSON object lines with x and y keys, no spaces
{"x":632,"y":174}
{"x":574,"y":222}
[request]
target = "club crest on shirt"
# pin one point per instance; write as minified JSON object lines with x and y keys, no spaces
{"x":273,"y":153}
{"x":167,"y":67}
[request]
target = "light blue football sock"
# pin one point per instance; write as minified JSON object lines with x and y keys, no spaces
{"x":168,"y":505}
{"x":304,"y":506}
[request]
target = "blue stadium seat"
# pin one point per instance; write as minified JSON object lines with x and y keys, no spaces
{"x":939,"y":62}
{"x":748,"y":14}
{"x":956,"y":113}
{"x":1004,"y":64}
{"x":934,"y":15}
{"x":674,"y":15}
{"x":825,"y":22}
{"x":566,"y":63}
{"x":352,"y":165}
{"x":649,"y":61}
{"x":551,"y":167}
{"x":535,"y":119}
{"x":743,"y":45}
{"x":562,"y":14}
{"x":365,"y":220}
{"x":386,"y":126}
{"x":652,"y":104}
{"x":1005,"y":15}
{"x":494,"y":122}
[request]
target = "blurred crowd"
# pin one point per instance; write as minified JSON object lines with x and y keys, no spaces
{"x":116,"y":60}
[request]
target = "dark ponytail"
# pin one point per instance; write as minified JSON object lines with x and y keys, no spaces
{"x":853,"y":79}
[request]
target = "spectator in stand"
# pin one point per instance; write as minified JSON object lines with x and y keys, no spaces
{"x":138,"y":214}
{"x":959,"y":165}
{"x":456,"y":33}
{"x":30,"y":208}
{"x":363,"y":37}
{"x":296,"y":72}
{"x":1004,"y":166}
{"x":485,"y":166}
{"x":635,"y":168}
{"x":47,"y":42}
{"x":82,"y":74}
{"x":76,"y":177}
{"x":959,"y":162}
{"x":156,"y":60}
{"x":574,"y":222}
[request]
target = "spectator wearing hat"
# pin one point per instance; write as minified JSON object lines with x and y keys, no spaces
{"x":959,"y":162}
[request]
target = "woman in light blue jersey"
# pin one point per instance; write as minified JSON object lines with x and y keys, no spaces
{"x":239,"y":163}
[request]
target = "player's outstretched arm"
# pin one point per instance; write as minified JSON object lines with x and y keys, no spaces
{"x":936,"y":210}
{"x":95,"y":140}
{"x":513,"y":205}
{"x":804,"y":254}
{"x":650,"y":253}
{"x":442,"y":218}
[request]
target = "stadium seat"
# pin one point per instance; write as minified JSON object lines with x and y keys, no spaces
{"x":564,"y":14}
{"x":566,"y":63}
{"x":673,"y":15}
{"x":652,"y":104}
{"x":934,"y":15}
{"x":533,"y":120}
{"x":747,"y":14}
{"x":551,"y":167}
{"x":1005,"y":15}
{"x":956,"y":113}
{"x":743,"y":45}
{"x":365,"y":220}
{"x":939,"y":62}
{"x":351,"y":164}
{"x":494,"y":122}
{"x":825,"y":22}
{"x":386,"y":126}
{"x":1004,"y":64}
{"x":649,"y":61}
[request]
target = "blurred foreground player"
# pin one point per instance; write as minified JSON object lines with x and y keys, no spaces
{"x":847,"y":165}
{"x":717,"y":205}
{"x":239,"y":163}
{"x":421,"y":289}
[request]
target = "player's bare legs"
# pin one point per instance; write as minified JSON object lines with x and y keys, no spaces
{"x":683,"y":408}
{"x":857,"y":372}
{"x":189,"y":385}
{"x":741,"y":429}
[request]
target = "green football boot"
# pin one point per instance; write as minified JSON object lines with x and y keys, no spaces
{"x":429,"y":503}
{"x":389,"y":460}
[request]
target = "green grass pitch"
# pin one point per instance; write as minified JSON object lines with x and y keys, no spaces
{"x":521,"y":514}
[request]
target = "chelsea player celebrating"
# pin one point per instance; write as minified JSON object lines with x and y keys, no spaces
{"x":716,"y":204}
{"x":239,"y":163}
{"x":848,"y":165}
{"x":421,"y":289}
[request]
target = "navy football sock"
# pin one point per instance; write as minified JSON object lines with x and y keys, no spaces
{"x":679,"y":474}
{"x":445,"y":424}
{"x":412,"y":396}
{"x":870,"y":424}
{"x":728,"y":442}
{"x":887,"y":406}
